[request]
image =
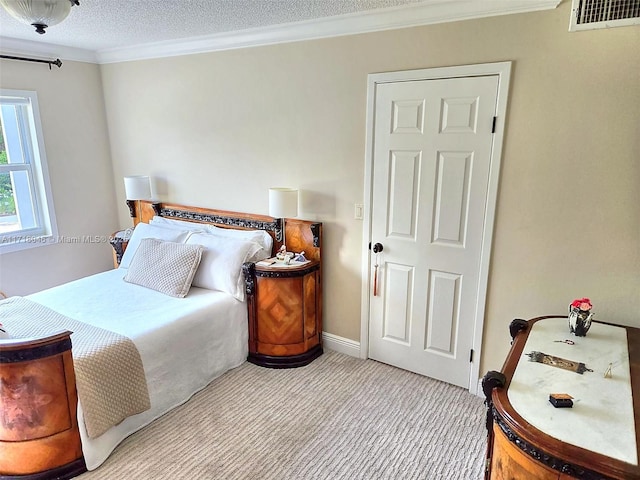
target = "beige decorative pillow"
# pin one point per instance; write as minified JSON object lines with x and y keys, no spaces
{"x":167,"y":267}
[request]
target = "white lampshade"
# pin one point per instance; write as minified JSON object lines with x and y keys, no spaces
{"x":137,"y":187}
{"x":38,"y":13}
{"x":283,"y":202}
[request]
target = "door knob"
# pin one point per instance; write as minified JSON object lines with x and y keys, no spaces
{"x":377,"y":248}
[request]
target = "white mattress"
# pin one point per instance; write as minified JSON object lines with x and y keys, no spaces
{"x":184,"y":342}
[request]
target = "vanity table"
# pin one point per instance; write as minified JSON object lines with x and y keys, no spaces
{"x":598,"y":437}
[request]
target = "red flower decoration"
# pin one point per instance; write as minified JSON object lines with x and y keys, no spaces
{"x":583,"y":304}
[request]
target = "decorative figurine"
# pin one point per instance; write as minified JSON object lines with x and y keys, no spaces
{"x":580,"y":316}
{"x":288,"y":257}
{"x":284,"y":256}
{"x":281,"y":252}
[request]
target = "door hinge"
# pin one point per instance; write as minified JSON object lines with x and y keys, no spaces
{"x":471,"y":355}
{"x":493,"y":127}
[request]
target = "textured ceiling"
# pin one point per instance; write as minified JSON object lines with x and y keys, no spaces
{"x":105,"y":24}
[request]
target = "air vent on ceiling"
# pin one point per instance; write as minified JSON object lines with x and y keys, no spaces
{"x":591,"y":14}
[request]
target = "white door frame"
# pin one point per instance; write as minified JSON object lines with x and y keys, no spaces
{"x":503,"y":71}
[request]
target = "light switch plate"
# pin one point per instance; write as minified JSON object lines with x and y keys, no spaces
{"x":359,"y":211}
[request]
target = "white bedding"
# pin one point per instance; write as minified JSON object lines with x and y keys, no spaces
{"x":184,"y":343}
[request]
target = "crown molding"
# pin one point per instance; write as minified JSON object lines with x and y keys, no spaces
{"x":426,"y":12}
{"x":411,"y":15}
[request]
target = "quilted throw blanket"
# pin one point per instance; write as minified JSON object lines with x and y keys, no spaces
{"x":109,"y":375}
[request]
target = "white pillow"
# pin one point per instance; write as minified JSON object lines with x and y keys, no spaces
{"x":144,"y":230}
{"x":221,"y":265}
{"x":177,"y":224}
{"x":166,"y":267}
{"x":259,"y":236}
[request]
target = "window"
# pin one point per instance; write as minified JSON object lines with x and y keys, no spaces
{"x":26,"y":209}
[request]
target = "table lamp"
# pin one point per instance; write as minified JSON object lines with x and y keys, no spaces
{"x":136,"y":187}
{"x":283,"y":203}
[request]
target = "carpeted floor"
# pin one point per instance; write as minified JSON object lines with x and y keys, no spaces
{"x":338,"y":418}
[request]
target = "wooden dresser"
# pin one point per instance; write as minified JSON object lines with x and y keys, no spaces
{"x":598,"y":437}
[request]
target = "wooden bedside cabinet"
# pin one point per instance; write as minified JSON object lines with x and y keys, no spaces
{"x":119,"y":241}
{"x":285,"y":314}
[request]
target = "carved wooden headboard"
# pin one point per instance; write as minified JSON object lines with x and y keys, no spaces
{"x":301,"y":235}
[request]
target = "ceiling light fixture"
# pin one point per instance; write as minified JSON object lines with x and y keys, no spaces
{"x":39,"y":13}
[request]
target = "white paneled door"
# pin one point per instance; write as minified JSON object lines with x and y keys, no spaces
{"x":432,"y":151}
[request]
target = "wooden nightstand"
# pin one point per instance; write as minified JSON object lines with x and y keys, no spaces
{"x":119,"y":241}
{"x":285,"y":314}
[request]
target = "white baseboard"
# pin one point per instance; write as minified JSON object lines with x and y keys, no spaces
{"x":352,"y":348}
{"x":479,"y":392}
{"x":341,"y":344}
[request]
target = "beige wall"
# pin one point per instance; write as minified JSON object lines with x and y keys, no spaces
{"x":77,"y":150}
{"x":218,"y":129}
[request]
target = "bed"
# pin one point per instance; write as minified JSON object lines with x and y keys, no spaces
{"x":183,"y":342}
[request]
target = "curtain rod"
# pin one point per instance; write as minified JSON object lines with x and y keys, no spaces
{"x":55,"y":62}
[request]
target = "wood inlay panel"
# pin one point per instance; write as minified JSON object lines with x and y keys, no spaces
{"x":39,"y":427}
{"x":34,"y":401}
{"x":310,"y":314}
{"x":281,"y":307}
{"x":508,"y":462}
